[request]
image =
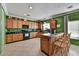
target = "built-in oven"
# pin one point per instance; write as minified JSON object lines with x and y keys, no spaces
{"x":26,"y":34}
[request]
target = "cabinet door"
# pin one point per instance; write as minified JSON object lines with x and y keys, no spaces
{"x":36,"y":34}
{"x":36,"y":25}
{"x":9,"y":23}
{"x":40,"y":25}
{"x":27,"y":23}
{"x":24,"y":22}
{"x":33,"y":25}
{"x":53,"y":24}
{"x":9,"y":38}
{"x":31,"y":35}
{"x":20,"y":36}
{"x":30,"y":25}
{"x":14,"y":37}
{"x":15,"y":24}
{"x":45,"y":45}
{"x":19,"y":23}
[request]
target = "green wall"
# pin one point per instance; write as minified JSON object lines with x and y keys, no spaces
{"x":2,"y":28}
{"x":60,"y":21}
{"x":73,"y":16}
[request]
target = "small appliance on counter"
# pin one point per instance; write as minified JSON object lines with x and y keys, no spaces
{"x":26,"y":34}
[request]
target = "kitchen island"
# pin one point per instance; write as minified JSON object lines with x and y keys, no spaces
{"x":51,"y":42}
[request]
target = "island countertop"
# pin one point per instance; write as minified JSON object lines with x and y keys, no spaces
{"x":51,"y":35}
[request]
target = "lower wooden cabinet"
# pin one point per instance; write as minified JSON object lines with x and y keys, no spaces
{"x":9,"y":38}
{"x":14,"y":37}
{"x":46,"y":47}
{"x":20,"y":36}
{"x":33,"y":34}
{"x":39,"y":34}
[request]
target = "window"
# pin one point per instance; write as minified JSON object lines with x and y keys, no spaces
{"x":73,"y":28}
{"x":46,"y":26}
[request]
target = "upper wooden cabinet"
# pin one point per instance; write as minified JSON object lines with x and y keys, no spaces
{"x":19,"y":23}
{"x":53,"y":23}
{"x":15,"y":24}
{"x":30,"y":25}
{"x":37,"y":25}
{"x":33,"y":25}
{"x":40,"y":25}
{"x":9,"y":23}
{"x":24,"y":22}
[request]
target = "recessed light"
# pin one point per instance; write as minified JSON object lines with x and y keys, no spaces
{"x":24,"y":14}
{"x":30,"y":7}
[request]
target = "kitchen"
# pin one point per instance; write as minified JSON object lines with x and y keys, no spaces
{"x":50,"y":32}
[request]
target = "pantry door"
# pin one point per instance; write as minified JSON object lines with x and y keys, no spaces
{"x":2,"y":28}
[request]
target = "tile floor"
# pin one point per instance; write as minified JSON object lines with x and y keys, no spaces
{"x":31,"y":48}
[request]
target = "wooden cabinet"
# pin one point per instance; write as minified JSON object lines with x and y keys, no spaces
{"x":30,"y":25}
{"x":19,"y":23}
{"x":40,"y":25}
{"x":20,"y":36}
{"x":9,"y":38}
{"x":26,"y":22}
{"x":33,"y":34}
{"x":39,"y":34}
{"x":33,"y":25}
{"x":46,"y":47}
{"x":9,"y":23}
{"x":15,"y":24}
{"x":14,"y":37}
{"x":53,"y":23}
{"x":36,"y":25}
{"x":23,"y":22}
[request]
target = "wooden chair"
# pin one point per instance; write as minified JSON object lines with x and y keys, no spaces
{"x":62,"y":45}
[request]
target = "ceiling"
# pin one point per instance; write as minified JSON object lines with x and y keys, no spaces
{"x":39,"y":11}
